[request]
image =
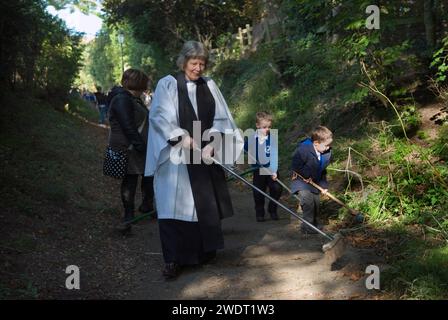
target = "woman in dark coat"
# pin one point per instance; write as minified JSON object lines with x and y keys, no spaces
{"x":128,"y":118}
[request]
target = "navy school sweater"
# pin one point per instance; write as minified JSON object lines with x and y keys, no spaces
{"x":265,"y":154}
{"x":306,"y":163}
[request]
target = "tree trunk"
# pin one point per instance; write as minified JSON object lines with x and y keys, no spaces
{"x":334,"y":12}
{"x":428,"y":15}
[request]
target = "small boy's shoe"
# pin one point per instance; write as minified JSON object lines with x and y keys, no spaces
{"x":260,"y":219}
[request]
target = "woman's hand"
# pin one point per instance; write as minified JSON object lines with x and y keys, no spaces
{"x":188,"y":143}
{"x":207,"y":153}
{"x":274,"y":177}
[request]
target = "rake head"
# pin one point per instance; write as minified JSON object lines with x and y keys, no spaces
{"x":335,"y":248}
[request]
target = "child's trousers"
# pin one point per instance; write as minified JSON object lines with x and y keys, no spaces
{"x":310,"y":203}
{"x":275,"y":191}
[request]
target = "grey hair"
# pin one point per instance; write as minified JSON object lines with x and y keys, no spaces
{"x":192,"y":50}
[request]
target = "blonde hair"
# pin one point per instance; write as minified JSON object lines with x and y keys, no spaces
{"x":321,"y":134}
{"x":263,"y":115}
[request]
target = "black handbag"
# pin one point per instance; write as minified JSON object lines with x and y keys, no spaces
{"x":115,"y":163}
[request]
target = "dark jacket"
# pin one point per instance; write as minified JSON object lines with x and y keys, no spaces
{"x":306,"y":163}
{"x":126,"y":115}
{"x":101,"y":98}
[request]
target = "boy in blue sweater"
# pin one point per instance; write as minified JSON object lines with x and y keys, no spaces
{"x":310,"y":159}
{"x":264,"y":146}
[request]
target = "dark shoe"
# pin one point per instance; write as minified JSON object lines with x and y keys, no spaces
{"x":260,"y":219}
{"x":171,"y":271}
{"x":146,"y":208}
{"x":124,"y":228}
{"x":274,"y":216}
{"x":208,"y":257}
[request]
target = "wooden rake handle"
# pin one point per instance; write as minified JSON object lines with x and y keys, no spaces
{"x":332,"y":197}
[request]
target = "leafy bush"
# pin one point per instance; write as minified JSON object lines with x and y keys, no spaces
{"x":441,"y":146}
{"x":411,"y":120}
{"x":440,"y":63}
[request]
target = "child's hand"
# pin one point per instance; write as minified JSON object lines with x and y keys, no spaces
{"x":324,"y":192}
{"x":274,"y":177}
{"x":309,"y":180}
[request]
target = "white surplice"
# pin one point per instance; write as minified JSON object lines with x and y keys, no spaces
{"x":172,"y":189}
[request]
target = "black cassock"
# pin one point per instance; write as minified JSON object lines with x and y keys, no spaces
{"x":188,"y":242}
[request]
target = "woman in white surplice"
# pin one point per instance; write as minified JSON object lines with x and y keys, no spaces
{"x":191,"y":196}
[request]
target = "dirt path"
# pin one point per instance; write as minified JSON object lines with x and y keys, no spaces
{"x":430,"y":115}
{"x":269,"y":260}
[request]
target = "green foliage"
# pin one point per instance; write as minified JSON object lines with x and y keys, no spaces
{"x":411,"y":120}
{"x":407,"y":194}
{"x":227,"y":48}
{"x":440,"y":62}
{"x":37,"y":49}
{"x":172,"y":22}
{"x":85,"y":6}
{"x":389,"y":59}
{"x":103,"y":58}
{"x":422,"y":135}
{"x":59,"y":61}
{"x":251,"y":92}
{"x":441,"y":146}
{"x":149,"y":58}
{"x":85,"y":80}
{"x":408,"y":188}
{"x":420,"y":272}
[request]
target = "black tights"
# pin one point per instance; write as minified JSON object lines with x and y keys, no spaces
{"x":128,"y":189}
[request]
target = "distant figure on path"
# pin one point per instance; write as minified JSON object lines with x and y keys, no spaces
{"x":101,"y":103}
